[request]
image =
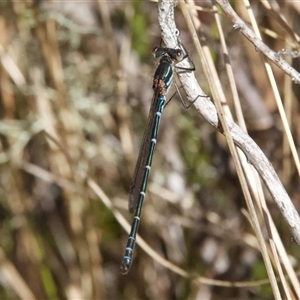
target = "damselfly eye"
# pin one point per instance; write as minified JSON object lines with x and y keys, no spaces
{"x":179,"y":55}
{"x":158,"y":52}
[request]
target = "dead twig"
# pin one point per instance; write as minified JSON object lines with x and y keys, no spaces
{"x":207,"y":110}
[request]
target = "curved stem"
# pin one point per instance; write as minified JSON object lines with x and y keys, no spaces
{"x":242,"y":140}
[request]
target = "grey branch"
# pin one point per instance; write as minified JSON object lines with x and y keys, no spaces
{"x":240,"y":25}
{"x":208,"y":111}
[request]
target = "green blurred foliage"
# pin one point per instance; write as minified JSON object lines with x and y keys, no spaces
{"x":139,"y":24}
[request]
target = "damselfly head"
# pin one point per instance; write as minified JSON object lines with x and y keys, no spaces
{"x":174,"y":54}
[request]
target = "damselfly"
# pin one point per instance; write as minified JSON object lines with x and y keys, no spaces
{"x":162,"y":80}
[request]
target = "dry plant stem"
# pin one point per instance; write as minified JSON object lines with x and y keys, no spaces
{"x":252,"y":176}
{"x":253,"y":153}
{"x":274,"y":240}
{"x":276,"y":93}
{"x":276,"y":15}
{"x":239,"y":24}
{"x":13,"y":278}
{"x":237,"y":156}
{"x":64,"y":183}
{"x":230,"y":74}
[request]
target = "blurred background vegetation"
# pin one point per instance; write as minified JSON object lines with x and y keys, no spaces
{"x":75,"y":90}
